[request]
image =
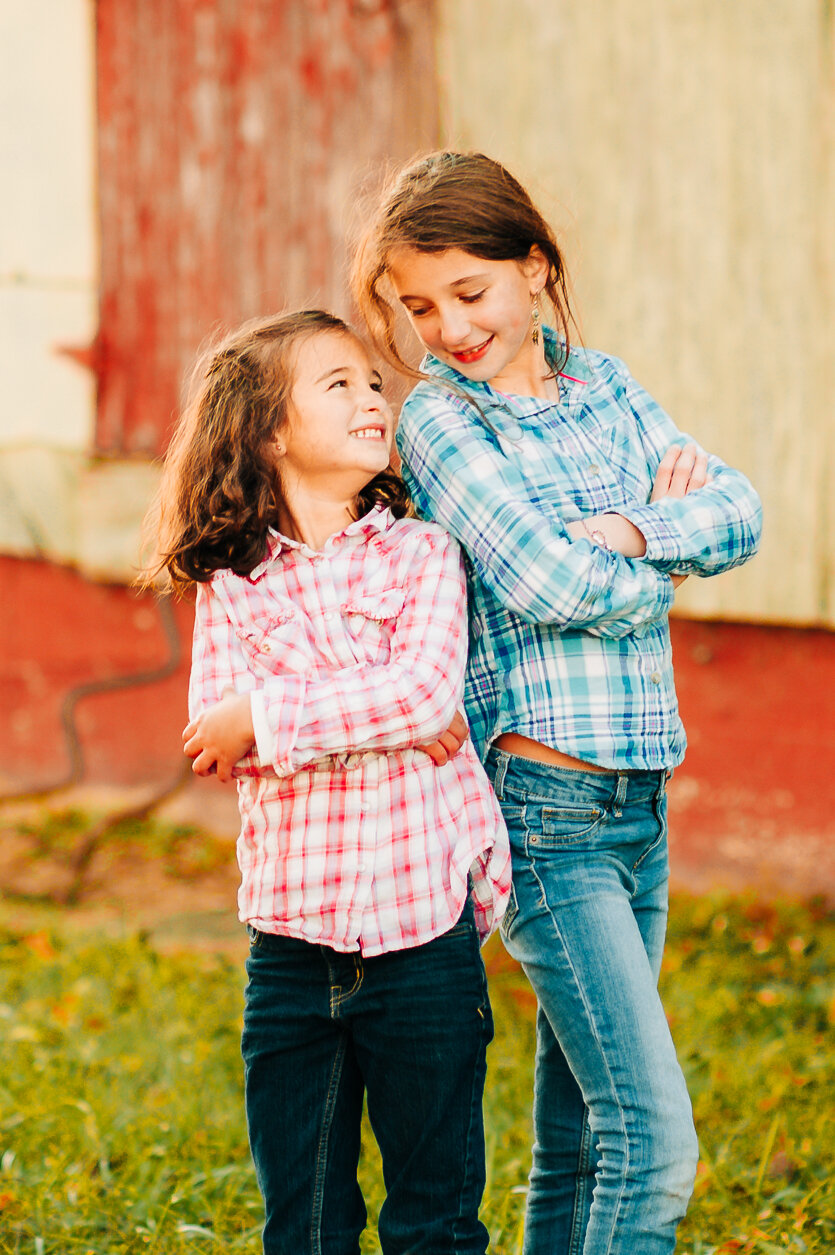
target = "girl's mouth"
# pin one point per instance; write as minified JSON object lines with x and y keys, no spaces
{"x":370,"y":433}
{"x":467,"y":356}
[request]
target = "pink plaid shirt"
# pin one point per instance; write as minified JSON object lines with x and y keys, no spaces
{"x":353,"y":655}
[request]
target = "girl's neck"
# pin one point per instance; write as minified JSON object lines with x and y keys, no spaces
{"x":312,"y":520}
{"x":528,"y":375}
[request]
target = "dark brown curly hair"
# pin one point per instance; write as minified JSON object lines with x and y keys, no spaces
{"x":220,"y":491}
{"x":444,"y":200}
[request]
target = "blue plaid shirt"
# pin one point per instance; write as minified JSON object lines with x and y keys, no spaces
{"x":569,"y":644}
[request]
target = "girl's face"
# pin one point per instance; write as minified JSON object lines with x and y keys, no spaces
{"x":339,"y":429}
{"x":470,"y":312}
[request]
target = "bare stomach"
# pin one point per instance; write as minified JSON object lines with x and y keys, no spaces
{"x":525,"y":747}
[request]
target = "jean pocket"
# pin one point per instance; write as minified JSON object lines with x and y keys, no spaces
{"x":555,"y":826}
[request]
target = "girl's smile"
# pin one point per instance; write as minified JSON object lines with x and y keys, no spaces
{"x":467,"y":356}
{"x":474,"y":313}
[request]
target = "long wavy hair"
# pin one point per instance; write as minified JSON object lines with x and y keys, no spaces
{"x":220,"y":490}
{"x":444,"y":200}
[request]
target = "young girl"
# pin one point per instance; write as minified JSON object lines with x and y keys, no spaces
{"x":329,"y":654}
{"x":579,"y":506}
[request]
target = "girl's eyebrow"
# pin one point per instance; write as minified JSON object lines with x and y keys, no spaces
{"x":337,"y":370}
{"x":346,"y":370}
{"x":459,"y":283}
{"x":456,"y":283}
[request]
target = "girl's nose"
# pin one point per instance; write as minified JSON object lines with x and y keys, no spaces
{"x":374,"y":400}
{"x":454,"y":326}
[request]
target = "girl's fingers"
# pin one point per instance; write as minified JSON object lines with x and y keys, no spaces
{"x":698,"y":475}
{"x":435,"y":751}
{"x":680,"y":478}
{"x":661,"y":484}
{"x":681,"y":470}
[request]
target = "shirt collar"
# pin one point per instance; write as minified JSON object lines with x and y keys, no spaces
{"x":378,"y":519}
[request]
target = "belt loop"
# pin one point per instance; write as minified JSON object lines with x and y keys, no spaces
{"x":502,"y":762}
{"x":620,"y":794}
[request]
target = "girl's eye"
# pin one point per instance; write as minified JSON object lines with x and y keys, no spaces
{"x":418,"y":313}
{"x":339,"y":383}
{"x":377,"y":385}
{"x":472,"y":297}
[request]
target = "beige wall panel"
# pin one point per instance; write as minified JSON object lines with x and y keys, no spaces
{"x":685,"y":153}
{"x":48,"y":264}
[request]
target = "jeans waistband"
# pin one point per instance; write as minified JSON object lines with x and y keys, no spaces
{"x":528,"y":774}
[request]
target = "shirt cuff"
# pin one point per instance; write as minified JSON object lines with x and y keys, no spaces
{"x":264,"y":739}
{"x":663,"y":543}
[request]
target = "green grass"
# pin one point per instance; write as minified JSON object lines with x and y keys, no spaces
{"x":121,"y":1118}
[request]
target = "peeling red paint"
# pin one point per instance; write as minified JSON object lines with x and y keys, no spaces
{"x":222,"y":131}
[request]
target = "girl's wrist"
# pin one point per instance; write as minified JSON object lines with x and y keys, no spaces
{"x":597,"y":536}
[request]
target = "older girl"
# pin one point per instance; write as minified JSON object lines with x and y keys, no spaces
{"x":579,"y":506}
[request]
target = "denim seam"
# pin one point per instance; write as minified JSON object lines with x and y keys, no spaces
{"x":577,"y":1236}
{"x":475,"y":1101}
{"x":337,"y":996}
{"x":662,"y":832}
{"x":322,"y":1151}
{"x":624,"y":1176}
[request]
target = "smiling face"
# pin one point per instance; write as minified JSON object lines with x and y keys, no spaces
{"x":339,"y":429}
{"x":471,"y":312}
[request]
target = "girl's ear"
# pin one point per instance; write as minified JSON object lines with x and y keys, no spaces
{"x":535,"y":269}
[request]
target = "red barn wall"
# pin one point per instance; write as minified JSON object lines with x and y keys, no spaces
{"x":232,"y":138}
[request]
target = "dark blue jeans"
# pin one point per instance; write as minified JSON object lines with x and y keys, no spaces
{"x":410,"y":1029}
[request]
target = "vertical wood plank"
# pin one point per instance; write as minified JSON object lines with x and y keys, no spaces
{"x":231,"y":138}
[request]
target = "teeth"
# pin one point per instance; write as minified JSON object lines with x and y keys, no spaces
{"x":368,"y":433}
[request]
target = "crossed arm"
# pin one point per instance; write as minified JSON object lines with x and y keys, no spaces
{"x":220,"y":736}
{"x":681,"y":471}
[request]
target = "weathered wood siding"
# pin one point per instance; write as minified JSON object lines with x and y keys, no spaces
{"x":231,"y":139}
{"x":686,"y":152}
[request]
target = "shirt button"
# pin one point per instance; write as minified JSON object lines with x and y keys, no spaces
{"x":594,"y":469}
{"x":328,"y":614}
{"x":266,"y":648}
{"x":656,"y":677}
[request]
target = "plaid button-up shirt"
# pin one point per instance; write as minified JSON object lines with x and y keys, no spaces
{"x":353,"y":654}
{"x":569,"y":644}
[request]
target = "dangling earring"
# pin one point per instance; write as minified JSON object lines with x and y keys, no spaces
{"x":535,"y":320}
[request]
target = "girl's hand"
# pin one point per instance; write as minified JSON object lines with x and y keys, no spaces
{"x":680,"y":472}
{"x":220,"y":736}
{"x":448,"y":743}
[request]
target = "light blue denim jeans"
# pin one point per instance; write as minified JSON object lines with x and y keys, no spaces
{"x":615,"y":1150}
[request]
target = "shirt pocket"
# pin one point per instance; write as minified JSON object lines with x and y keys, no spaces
{"x":370,"y":622}
{"x":274,"y":642}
